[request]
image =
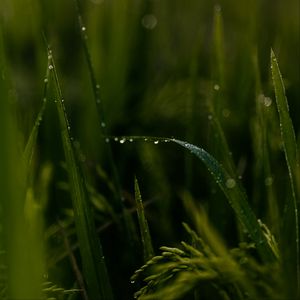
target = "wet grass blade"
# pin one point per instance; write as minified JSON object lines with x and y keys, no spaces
{"x":232,"y":189}
{"x":30,"y":145}
{"x":94,"y":268}
{"x":237,"y":199}
{"x":145,"y":234}
{"x":290,"y":148}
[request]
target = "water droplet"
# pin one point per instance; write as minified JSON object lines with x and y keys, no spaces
{"x":44,"y":99}
{"x":50,"y":67}
{"x":69,"y":128}
{"x":240,"y":177}
{"x":149,"y":21}
{"x":122,"y":141}
{"x":230,"y":183}
{"x":132,"y":281}
{"x":97,"y":86}
{"x":268,"y":181}
{"x":267,"y":101}
{"x":216,"y":87}
{"x":107,"y":140}
{"x":156,"y":142}
{"x":130,"y":140}
{"x":103,"y":124}
{"x":145,"y":139}
{"x":62,"y":100}
{"x":116,"y":139}
{"x":209,"y":117}
{"x":46,"y":80}
{"x":83,"y":28}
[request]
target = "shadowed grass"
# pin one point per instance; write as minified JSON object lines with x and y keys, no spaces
{"x":93,"y":262}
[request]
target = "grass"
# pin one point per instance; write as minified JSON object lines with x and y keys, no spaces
{"x":197,"y":100}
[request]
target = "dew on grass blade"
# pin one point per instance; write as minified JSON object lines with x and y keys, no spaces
{"x":230,"y":183}
{"x":122,"y":141}
{"x":156,"y":142}
{"x":149,"y":21}
{"x":216,"y":87}
{"x":50,"y":67}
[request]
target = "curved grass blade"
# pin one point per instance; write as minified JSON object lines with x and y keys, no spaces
{"x":29,"y":148}
{"x":93,"y":261}
{"x":145,"y":234}
{"x":290,"y":148}
{"x":232,"y":189}
{"x":237,"y":199}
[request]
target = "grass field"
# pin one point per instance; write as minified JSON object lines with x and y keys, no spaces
{"x":149,"y":149}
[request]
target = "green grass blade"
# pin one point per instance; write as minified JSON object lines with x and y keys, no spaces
{"x":94,"y":268}
{"x":30,"y":145}
{"x":290,"y":147}
{"x":237,"y":199}
{"x":20,"y":233}
{"x":145,"y":234}
{"x":232,"y":189}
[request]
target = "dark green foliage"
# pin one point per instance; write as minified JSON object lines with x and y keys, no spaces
{"x":132,"y":81}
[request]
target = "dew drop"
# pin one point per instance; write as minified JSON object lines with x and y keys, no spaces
{"x":209,"y":117}
{"x":107,"y":140}
{"x":116,"y":139}
{"x":149,"y":21}
{"x":230,"y":183}
{"x":45,"y":100}
{"x":156,"y":142}
{"x":122,"y":141}
{"x":103,"y":124}
{"x":216,"y":87}
{"x":145,"y":139}
{"x":62,"y":100}
{"x":268,"y":181}
{"x":267,"y":101}
{"x":83,"y":28}
{"x":46,"y":80}
{"x":69,"y":128}
{"x":50,"y":67}
{"x":97,"y":86}
{"x":132,"y":281}
{"x":130,"y":140}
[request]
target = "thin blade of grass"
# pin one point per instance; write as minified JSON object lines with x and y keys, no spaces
{"x":232,"y":189}
{"x":94,"y":268}
{"x":290,"y":149}
{"x":144,"y":229}
{"x":31,"y":142}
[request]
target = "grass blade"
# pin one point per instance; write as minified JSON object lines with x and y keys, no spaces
{"x":93,"y":261}
{"x":30,"y":145}
{"x":237,"y":199}
{"x":290,"y":148}
{"x":20,"y":234}
{"x":232,"y":189}
{"x":145,"y":234}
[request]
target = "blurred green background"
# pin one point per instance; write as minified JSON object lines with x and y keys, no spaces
{"x":156,"y":62}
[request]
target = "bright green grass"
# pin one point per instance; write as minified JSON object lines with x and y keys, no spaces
{"x":182,"y":96}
